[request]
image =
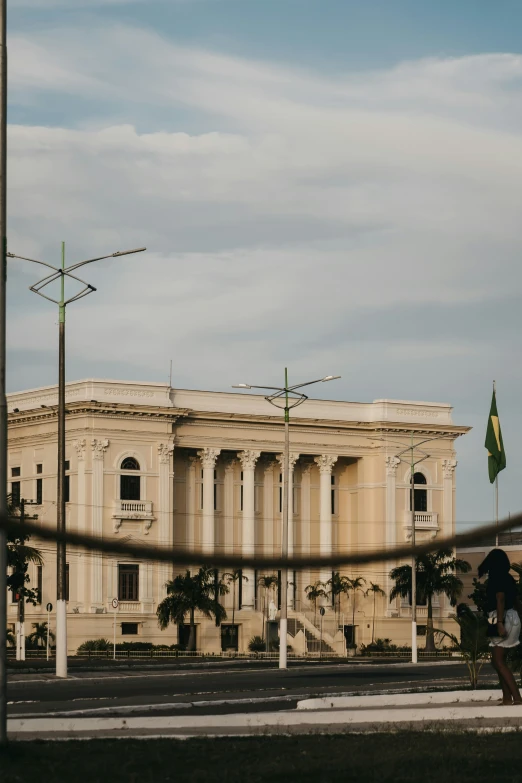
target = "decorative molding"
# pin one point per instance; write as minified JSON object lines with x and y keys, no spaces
{"x":325,"y":462}
{"x":248,"y":459}
{"x":392,"y":463}
{"x":165,"y":451}
{"x":79,"y":445}
{"x":292,"y":460}
{"x":448,"y":467}
{"x":208,"y":457}
{"x":99,"y":447}
{"x":269,"y":465}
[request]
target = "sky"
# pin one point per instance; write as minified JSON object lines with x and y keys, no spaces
{"x":328,"y":185}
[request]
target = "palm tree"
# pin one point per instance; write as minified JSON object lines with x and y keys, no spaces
{"x":314,"y":593}
{"x":19,"y":555}
{"x":233,"y":577}
{"x":336,"y":585}
{"x":38,"y":638}
{"x":374,"y":590}
{"x":187,"y":594}
{"x":354,"y":585}
{"x":436,"y":574}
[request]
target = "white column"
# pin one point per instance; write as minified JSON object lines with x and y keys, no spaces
{"x":165,"y":512}
{"x":248,"y":461}
{"x":448,"y":473}
{"x":268,"y":508}
{"x":190,"y":503}
{"x":81,"y":567}
{"x":228,"y":505}
{"x":392,"y":464}
{"x":99,"y":447}
{"x":291,"y":464}
{"x":208,"y":459}
{"x":304,"y":577}
{"x":325,"y":463}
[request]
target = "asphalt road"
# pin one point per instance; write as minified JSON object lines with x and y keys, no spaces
{"x":218,"y":691}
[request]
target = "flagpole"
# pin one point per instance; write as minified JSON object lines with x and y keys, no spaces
{"x":496,"y":479}
{"x":496,"y":509}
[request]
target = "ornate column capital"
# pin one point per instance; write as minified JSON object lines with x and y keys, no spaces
{"x":392,"y":463}
{"x":269,"y":465}
{"x":448,"y":467}
{"x":292,"y":460}
{"x":248,"y":459}
{"x":208,"y":457}
{"x":306,"y":468}
{"x":79,"y":445}
{"x":229,"y":465}
{"x":325,"y":462}
{"x":165,"y":451}
{"x":99,"y":447}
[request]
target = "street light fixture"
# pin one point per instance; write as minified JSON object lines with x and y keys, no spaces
{"x":290,"y":398}
{"x":60,"y":273}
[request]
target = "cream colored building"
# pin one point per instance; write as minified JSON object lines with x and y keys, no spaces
{"x":202,"y":470}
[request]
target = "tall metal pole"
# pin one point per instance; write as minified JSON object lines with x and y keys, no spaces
{"x":61,"y":568}
{"x":413,"y":563}
{"x":283,"y":618}
{"x":3,"y":400}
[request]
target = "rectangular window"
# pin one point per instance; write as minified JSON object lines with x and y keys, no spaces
{"x":15,"y":472}
{"x":39,"y":468}
{"x":201,"y":496}
{"x":241,"y":498}
{"x":215,"y":497}
{"x":67,"y":464}
{"x":39,"y":582}
{"x":333,"y":504}
{"x":39,"y":492}
{"x":67,"y":489}
{"x":129,"y":629}
{"x":67,"y":582}
{"x":15,"y":493}
{"x":128,"y":582}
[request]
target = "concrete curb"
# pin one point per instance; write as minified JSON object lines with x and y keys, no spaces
{"x":399,"y":699}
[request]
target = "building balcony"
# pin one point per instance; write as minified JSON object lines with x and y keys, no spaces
{"x":134,"y":607}
{"x":424,"y":521}
{"x":133,"y":511}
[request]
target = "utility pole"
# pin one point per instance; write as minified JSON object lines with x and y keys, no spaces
{"x":291,"y":398}
{"x":60,"y":273}
{"x":3,"y":400}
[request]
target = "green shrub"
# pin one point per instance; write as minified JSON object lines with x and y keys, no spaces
{"x":94,"y":645}
{"x":257,"y":644}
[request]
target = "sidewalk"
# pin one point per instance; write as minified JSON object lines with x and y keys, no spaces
{"x":449,"y":711}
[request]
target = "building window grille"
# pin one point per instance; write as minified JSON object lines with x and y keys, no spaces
{"x":130,"y":485}
{"x":67,"y":489}
{"x":128,"y":582}
{"x":420,"y":493}
{"x":129,"y":629}
{"x":15,"y":493}
{"x":39,"y":492}
{"x":333,"y":496}
{"x":39,"y":468}
{"x":15,"y":472}
{"x":67,"y":464}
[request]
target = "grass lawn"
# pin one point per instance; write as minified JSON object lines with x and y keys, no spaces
{"x":397,"y":757}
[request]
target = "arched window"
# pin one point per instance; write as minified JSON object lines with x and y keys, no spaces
{"x":130,"y":484}
{"x":420,"y":494}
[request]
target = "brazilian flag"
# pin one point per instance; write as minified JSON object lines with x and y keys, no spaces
{"x":494,"y":444}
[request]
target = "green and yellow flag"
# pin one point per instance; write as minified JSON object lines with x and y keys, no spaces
{"x":494,"y":444}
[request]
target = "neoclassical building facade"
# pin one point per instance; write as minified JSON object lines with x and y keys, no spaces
{"x":202,"y":471}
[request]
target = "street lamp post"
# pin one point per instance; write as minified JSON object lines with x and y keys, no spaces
{"x":60,"y":273}
{"x":291,"y":398}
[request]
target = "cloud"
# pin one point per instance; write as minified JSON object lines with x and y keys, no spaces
{"x":366,"y":224}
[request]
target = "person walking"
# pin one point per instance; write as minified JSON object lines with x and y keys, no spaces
{"x":504,"y":609}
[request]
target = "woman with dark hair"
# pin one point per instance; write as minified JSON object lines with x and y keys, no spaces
{"x":503,"y":607}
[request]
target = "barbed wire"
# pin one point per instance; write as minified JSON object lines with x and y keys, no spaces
{"x":187,"y":557}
